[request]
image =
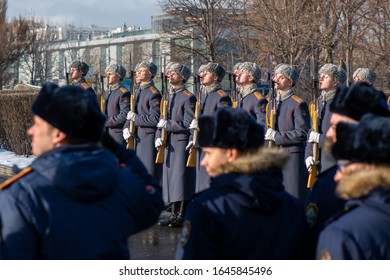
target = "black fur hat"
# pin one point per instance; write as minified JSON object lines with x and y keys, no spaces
{"x":357,"y":100}
{"x":80,"y":65}
{"x":230,"y":128}
{"x":367,"y":141}
{"x":71,"y":110}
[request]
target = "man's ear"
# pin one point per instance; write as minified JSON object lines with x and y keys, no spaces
{"x":232,"y":154}
{"x":59,"y":137}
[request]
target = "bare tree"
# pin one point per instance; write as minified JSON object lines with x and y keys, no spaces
{"x":16,"y":36}
{"x":199,"y":28}
{"x":38,"y":60}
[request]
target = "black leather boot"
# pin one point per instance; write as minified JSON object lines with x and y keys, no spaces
{"x":167,"y":219}
{"x":178,"y":221}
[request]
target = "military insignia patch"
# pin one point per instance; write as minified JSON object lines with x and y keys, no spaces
{"x":325,"y":255}
{"x":185,"y":233}
{"x":311,"y":214}
{"x":150,"y":189}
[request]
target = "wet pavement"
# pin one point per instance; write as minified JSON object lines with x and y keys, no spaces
{"x":155,"y":243}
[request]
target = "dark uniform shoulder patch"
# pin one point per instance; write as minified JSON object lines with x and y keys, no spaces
{"x":123,"y":89}
{"x":186,"y":92}
{"x":297,"y":99}
{"x":153,"y":89}
{"x":85,"y":85}
{"x":13,"y":179}
{"x":221,"y":92}
{"x":258,"y":95}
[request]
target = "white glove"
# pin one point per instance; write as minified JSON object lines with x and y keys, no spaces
{"x":158,"y":142}
{"x":189,"y":146}
{"x":310,"y":163}
{"x":194,"y":124}
{"x":126,"y":134}
{"x":131,"y":116}
{"x":162,"y":124}
{"x":270,"y":134}
{"x":314,"y":137}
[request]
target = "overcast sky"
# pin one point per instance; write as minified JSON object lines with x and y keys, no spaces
{"x":104,"y":13}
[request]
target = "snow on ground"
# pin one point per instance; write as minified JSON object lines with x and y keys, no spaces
{"x":10,"y":159}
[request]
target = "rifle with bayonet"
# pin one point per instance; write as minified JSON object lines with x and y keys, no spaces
{"x":102,"y":105}
{"x":131,"y":140}
{"x":272,"y":95}
{"x":233,"y":90}
{"x":191,"y":161}
{"x":315,"y":119}
{"x":66,"y":72}
{"x":164,"y":116}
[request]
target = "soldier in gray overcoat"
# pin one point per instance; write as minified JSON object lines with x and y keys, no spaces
{"x":251,"y":99}
{"x":116,"y":102}
{"x":331,"y":76}
{"x":146,"y":115}
{"x":291,"y":129}
{"x":178,"y":181}
{"x":212,"y":97}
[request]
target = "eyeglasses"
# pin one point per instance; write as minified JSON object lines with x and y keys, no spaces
{"x":342,"y":164}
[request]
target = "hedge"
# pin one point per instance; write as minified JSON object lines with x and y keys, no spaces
{"x":15,"y":119}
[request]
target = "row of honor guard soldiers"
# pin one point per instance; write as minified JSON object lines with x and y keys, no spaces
{"x":285,"y":116}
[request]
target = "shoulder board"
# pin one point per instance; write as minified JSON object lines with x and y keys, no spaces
{"x":340,"y":214}
{"x":297,"y":99}
{"x":13,"y":179}
{"x":186,"y":92}
{"x":123,"y":89}
{"x":153,"y":89}
{"x":85,"y":85}
{"x":221,"y":92}
{"x":258,"y":95}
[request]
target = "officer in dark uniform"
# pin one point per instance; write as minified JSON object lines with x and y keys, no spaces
{"x":146,"y":116}
{"x":330,"y":78}
{"x":292,"y":126}
{"x":212,"y":98}
{"x":361,"y":231}
{"x":78,"y":70}
{"x":74,"y":201}
{"x":251,"y":100}
{"x":246,"y":213}
{"x":116,"y":102}
{"x":178,"y":180}
{"x":348,"y":105}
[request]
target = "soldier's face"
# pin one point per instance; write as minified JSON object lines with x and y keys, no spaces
{"x":327,"y":82}
{"x":245,"y":78}
{"x":175,"y":79}
{"x":360,"y":79}
{"x":43,"y":136}
{"x":207,"y":78}
{"x":112,"y":78}
{"x":334,"y":120}
{"x":143,"y":75}
{"x":75,"y":73}
{"x":213,"y":158}
{"x":282,"y":83}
